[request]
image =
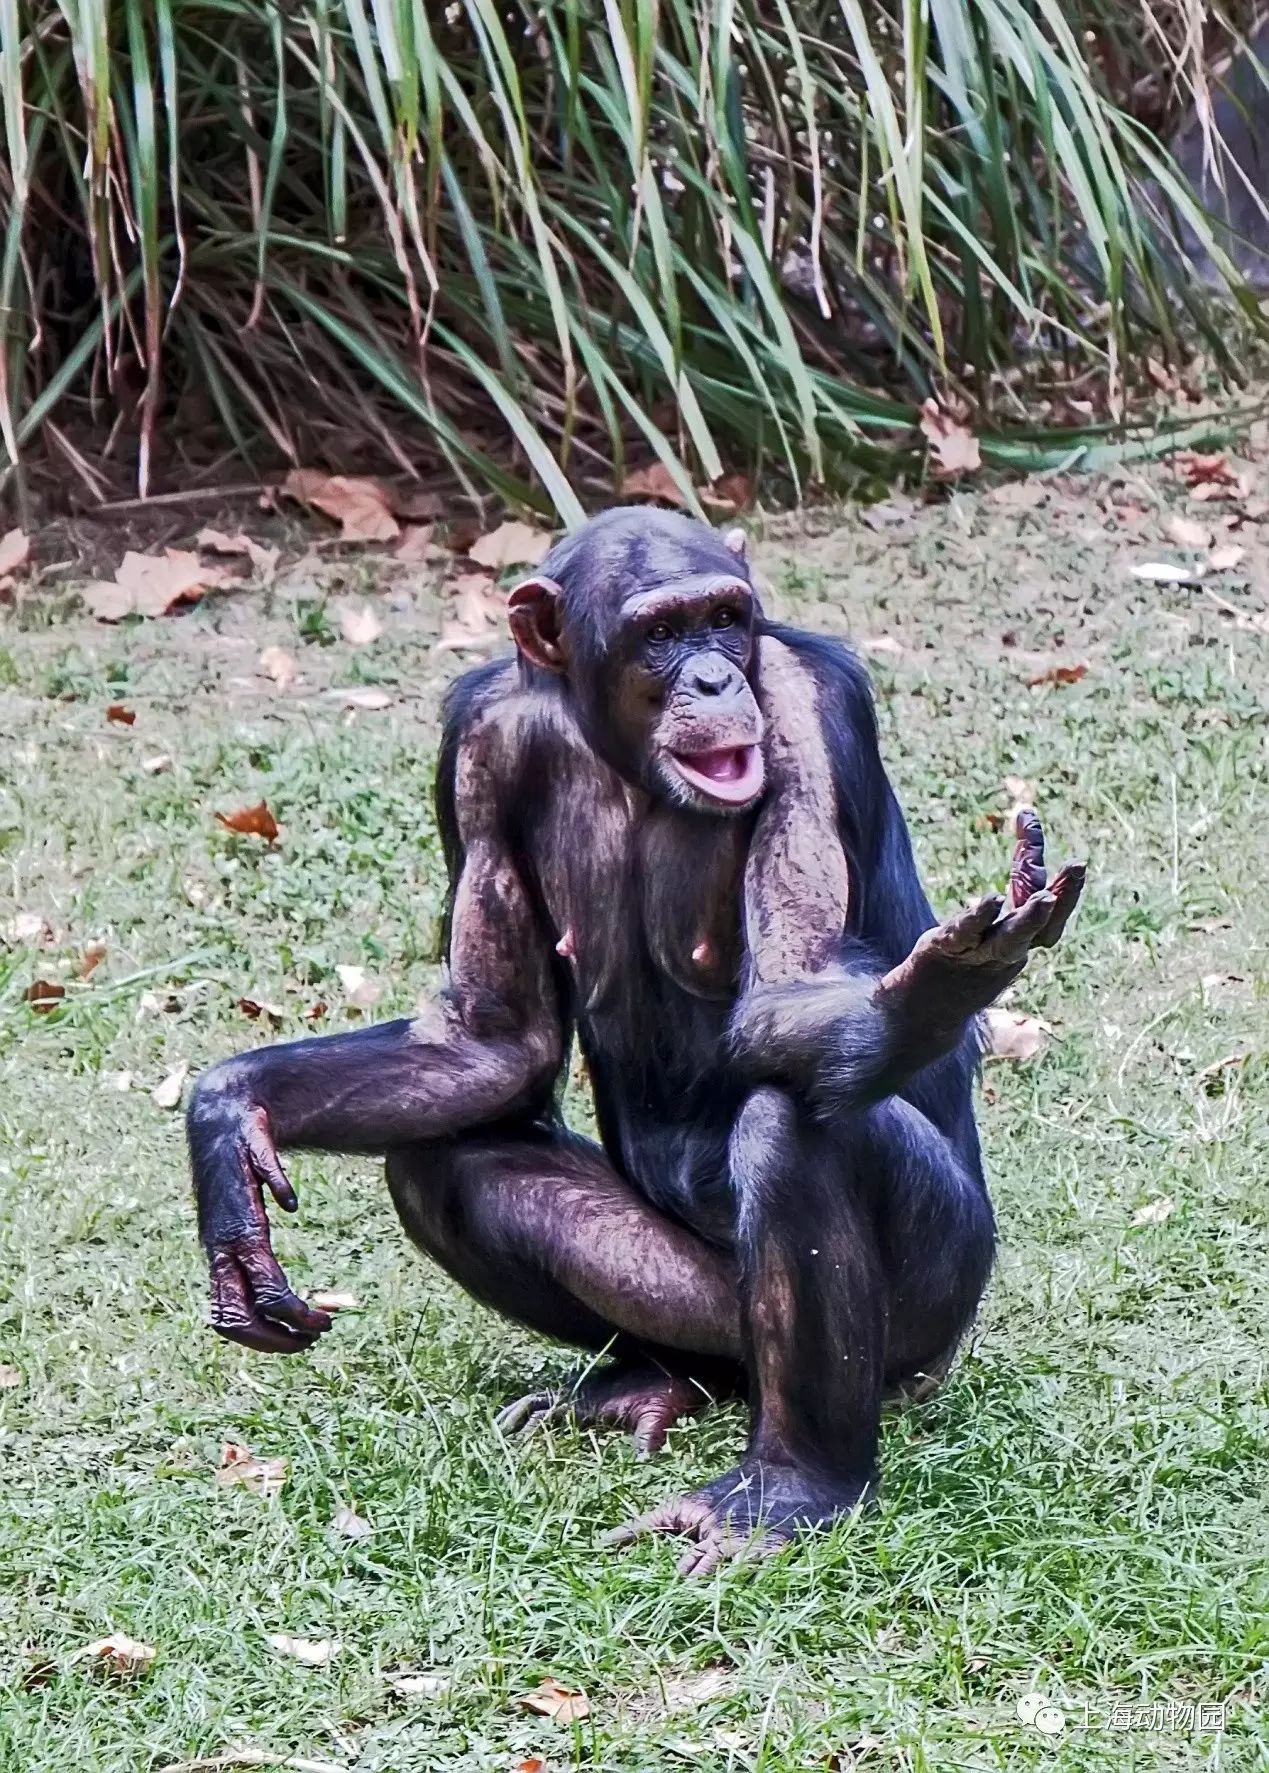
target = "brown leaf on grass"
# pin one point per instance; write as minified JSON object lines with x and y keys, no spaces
{"x":312,"y":1652}
{"x":121,"y":716}
{"x":1058,"y":674}
{"x":534,"y":1764}
{"x":358,"y":623}
{"x":120,"y":1653}
{"x":565,"y":1705}
{"x":478,"y":612}
{"x":239,"y":1465}
{"x":152,"y":585}
{"x":240,"y":546}
{"x":952,"y":443}
{"x":251,"y":821}
{"x":653,"y":482}
{"x":10,"y":1378}
{"x":361,"y":990}
{"x":361,"y":507}
{"x":331,"y":1299}
{"x":255,"y":1007}
{"x":167,"y":1094}
{"x":1226,"y":557}
{"x":511,"y":544}
{"x":277,"y":663}
{"x":44,"y":995}
{"x":1187,"y":533}
{"x":91,"y":957}
{"x":348,"y":1523}
{"x":416,"y":547}
{"x":15,"y":551}
{"x":315,"y":1012}
{"x":1198,"y":469}
{"x":1011,"y":1035}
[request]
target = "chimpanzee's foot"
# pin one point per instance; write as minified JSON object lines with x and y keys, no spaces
{"x":749,"y":1512}
{"x":642,"y":1399}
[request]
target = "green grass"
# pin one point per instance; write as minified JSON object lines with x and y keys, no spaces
{"x":1080,"y":1511}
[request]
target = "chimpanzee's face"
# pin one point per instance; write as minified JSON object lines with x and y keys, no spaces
{"x":675,"y":703}
{"x":651,"y":619}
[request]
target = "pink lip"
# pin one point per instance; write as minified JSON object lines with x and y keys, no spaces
{"x":732,"y":775}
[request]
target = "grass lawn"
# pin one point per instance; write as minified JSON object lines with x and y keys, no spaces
{"x":1080,"y":1512}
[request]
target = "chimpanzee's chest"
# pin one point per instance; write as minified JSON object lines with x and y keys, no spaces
{"x":644,"y":900}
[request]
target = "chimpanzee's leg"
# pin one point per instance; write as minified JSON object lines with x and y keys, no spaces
{"x":864,"y":1248}
{"x":537,"y":1224}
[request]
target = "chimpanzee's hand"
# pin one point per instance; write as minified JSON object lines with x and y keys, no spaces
{"x":958,"y":967}
{"x":234,"y":1160}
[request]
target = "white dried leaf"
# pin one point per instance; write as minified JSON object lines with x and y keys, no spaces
{"x":1164,"y":572}
{"x":312,"y":1652}
{"x":168,"y":1093}
{"x":333,"y":1301}
{"x":349,"y":1524}
{"x":277,"y":663}
{"x":239,"y":1465}
{"x":411,"y":1685}
{"x":1155,"y":1212}
{"x":361,"y":989}
{"x":123,"y":1654}
{"x":371,"y":700}
{"x":511,"y":544}
{"x":358,"y":623}
{"x":1011,"y":1035}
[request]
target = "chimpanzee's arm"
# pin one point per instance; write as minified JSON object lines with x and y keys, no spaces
{"x":849,"y":1034}
{"x":490,"y":1044}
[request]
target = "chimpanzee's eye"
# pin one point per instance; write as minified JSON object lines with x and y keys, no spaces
{"x":724,"y":618}
{"x":660,"y":631}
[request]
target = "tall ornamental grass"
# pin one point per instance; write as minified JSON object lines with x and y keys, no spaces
{"x":534,"y":242}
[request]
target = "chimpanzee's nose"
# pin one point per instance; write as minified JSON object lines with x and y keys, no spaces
{"x":711,"y":675}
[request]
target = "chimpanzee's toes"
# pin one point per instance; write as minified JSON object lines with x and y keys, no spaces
{"x":527,"y":1413}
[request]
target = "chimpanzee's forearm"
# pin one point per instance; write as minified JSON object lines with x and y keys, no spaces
{"x":418,"y":1078}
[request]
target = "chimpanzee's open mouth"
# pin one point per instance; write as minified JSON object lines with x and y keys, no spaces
{"x":732,"y":775}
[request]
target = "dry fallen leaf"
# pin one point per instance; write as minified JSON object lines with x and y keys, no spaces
{"x":237,"y":546}
{"x":1198,"y":469}
{"x":251,"y":821}
{"x":412,"y":1685}
{"x":44,"y":995}
{"x":312,"y":1652}
{"x":653,"y":482}
{"x":479,"y":609}
{"x":1020,"y":495}
{"x":565,"y":1705}
{"x":152,"y":585}
{"x":1186,"y":533}
{"x":361,"y":990}
{"x":361,"y":507}
{"x":239,"y":1465}
{"x":726,"y":495}
{"x":1011,"y":1035}
{"x":534,"y":1764}
{"x":416,"y":547}
{"x":116,"y":1080}
{"x":348,"y":1523}
{"x":10,"y":1377}
{"x":358,"y":623}
{"x":952,"y":443}
{"x":882,"y":646}
{"x":277,"y":663}
{"x":15,"y":551}
{"x":91,"y":957}
{"x":1058,"y":674}
{"x":255,"y":1007}
{"x":120,"y":715}
{"x":122,"y":1654}
{"x":511,"y":544}
{"x":155,"y":766}
{"x":168,"y":1093}
{"x":371,"y":701}
{"x":28,"y":929}
{"x":888,"y":514}
{"x":1230,"y":1062}
{"x":1155,"y":1212}
{"x":332,"y":1300}
{"x":1020,"y":791}
{"x":1166,"y":572}
{"x":1226,"y":557}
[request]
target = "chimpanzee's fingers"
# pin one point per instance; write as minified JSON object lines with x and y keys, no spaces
{"x":964,"y":930}
{"x":265,"y":1164}
{"x":272,"y":1291}
{"x":1014,"y":934}
{"x":1026,"y":871}
{"x":234,"y":1316}
{"x":1067,"y":886}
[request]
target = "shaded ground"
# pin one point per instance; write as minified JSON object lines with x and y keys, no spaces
{"x":1080,"y":1512}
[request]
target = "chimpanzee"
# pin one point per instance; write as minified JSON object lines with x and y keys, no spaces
{"x":667,"y":826}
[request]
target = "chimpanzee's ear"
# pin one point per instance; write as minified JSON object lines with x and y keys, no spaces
{"x":533,"y":614}
{"x":737,"y":543}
